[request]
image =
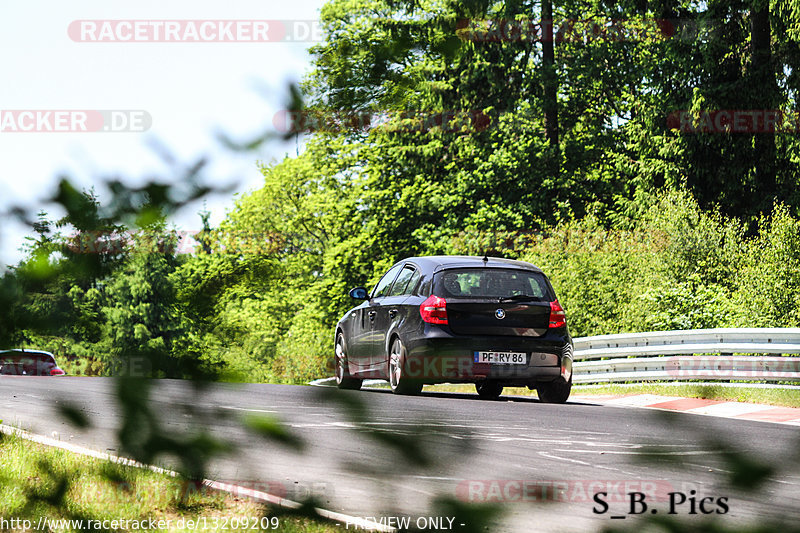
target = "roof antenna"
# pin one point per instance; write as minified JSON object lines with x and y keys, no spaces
{"x":485,"y":258}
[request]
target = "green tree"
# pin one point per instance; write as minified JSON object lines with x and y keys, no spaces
{"x":143,"y":325}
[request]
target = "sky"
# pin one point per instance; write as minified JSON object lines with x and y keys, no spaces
{"x":75,"y":57}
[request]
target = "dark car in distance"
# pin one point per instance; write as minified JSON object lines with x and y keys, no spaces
{"x":28,"y":363}
{"x":457,"y":319}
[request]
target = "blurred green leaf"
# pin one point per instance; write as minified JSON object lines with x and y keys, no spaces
{"x":270,"y":428}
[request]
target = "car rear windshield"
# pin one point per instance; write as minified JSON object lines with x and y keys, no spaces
{"x":492,"y":283}
{"x":22,"y":358}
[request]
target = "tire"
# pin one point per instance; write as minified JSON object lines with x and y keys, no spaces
{"x":556,"y":391}
{"x":343,"y":378}
{"x":489,"y":390}
{"x":400,"y":383}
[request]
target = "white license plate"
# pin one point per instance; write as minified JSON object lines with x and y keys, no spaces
{"x":500,"y":358}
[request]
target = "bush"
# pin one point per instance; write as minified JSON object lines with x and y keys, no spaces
{"x":767,"y":279}
{"x":677,"y":268}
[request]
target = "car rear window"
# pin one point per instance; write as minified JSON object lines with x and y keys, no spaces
{"x":19,"y":363}
{"x":491,"y":283}
{"x":19,"y":358}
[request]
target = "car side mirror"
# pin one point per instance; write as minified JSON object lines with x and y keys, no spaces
{"x":359,"y":293}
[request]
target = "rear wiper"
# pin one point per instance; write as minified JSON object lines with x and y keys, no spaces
{"x":517,"y":297}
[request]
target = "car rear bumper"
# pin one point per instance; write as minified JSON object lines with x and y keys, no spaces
{"x":437,"y":356}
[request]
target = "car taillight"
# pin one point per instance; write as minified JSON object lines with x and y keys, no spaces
{"x":434,"y":310}
{"x":56,"y":372}
{"x":558,"y":318}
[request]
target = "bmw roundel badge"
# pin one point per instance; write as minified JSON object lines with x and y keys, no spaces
{"x":500,"y":314}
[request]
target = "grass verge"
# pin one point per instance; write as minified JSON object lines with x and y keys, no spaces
{"x":779,"y":397}
{"x":42,"y":483}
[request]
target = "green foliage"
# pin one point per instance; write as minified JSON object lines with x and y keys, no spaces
{"x":141,"y":319}
{"x":768,"y":274}
{"x":253,"y":297}
{"x":620,"y":214}
{"x":639,"y":225}
{"x":678,"y":268}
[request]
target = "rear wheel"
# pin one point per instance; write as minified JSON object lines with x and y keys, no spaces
{"x":400,"y":382}
{"x":489,"y":390}
{"x":556,"y":391}
{"x":343,"y":378}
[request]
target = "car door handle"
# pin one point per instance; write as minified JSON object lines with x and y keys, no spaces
{"x":393,"y":313}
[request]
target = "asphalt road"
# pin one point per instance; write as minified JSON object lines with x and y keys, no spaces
{"x":518,"y":451}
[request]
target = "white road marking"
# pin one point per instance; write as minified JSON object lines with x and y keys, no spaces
{"x":729,"y":409}
{"x":245,"y":409}
{"x":617,"y":452}
{"x":641,"y":400}
{"x":325,"y":425}
{"x":584,"y":463}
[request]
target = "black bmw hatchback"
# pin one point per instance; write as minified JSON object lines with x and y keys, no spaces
{"x":458,"y":319}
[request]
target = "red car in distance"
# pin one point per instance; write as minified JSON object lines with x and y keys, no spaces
{"x":22,"y":362}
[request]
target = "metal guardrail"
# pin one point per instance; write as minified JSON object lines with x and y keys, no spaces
{"x":681,"y":355}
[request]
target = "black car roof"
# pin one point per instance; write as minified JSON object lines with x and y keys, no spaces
{"x":441,"y":262}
